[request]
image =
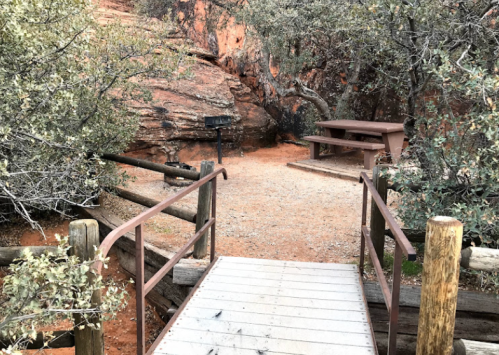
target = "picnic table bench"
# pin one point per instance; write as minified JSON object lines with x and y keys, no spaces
{"x":392,"y":135}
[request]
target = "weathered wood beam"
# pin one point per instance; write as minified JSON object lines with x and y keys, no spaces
{"x":470,"y":325}
{"x":412,"y":235}
{"x":186,"y":215}
{"x":145,"y":164}
{"x":481,"y":259}
{"x":189,"y":271}
{"x":165,"y":288}
{"x":410,"y":296}
{"x":107,"y":222}
{"x":406,"y":345}
{"x":469,"y":347}
{"x":155,"y":259}
{"x":8,"y":254}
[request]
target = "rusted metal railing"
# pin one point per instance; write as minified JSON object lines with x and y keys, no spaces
{"x":402,"y":245}
{"x":137,"y":223}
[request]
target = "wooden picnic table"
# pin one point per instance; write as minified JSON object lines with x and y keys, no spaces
{"x":391,"y":133}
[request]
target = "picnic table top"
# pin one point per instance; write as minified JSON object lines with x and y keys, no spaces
{"x":380,"y":127}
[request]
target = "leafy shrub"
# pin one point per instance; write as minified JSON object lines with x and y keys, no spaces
{"x":41,"y":291}
{"x":65,"y":82}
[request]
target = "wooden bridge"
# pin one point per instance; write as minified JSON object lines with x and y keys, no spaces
{"x":252,"y":306}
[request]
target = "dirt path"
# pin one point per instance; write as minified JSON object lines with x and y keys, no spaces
{"x":265,"y":210}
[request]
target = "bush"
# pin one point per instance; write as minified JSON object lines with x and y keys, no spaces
{"x":41,"y":291}
{"x":65,"y":82}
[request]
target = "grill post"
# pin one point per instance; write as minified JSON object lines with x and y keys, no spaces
{"x":219,"y":145}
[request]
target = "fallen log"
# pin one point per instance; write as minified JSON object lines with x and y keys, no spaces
{"x":481,"y":259}
{"x":61,"y":339}
{"x":188,"y":216}
{"x":144,"y":164}
{"x":8,"y":254}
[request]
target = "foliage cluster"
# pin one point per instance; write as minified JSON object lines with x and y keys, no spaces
{"x":40,"y":291}
{"x":65,"y":81}
{"x":442,"y":58}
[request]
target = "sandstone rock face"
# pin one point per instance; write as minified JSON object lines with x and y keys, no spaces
{"x":175,"y":118}
{"x":173,"y":123}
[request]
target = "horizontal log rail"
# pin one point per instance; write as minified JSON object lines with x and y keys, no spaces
{"x":137,"y":224}
{"x":145,"y":164}
{"x":178,"y":212}
{"x":402,"y":246}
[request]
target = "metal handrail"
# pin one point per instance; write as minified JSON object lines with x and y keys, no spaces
{"x":402,"y":246}
{"x":137,"y":223}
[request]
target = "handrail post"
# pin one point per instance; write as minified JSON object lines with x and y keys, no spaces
{"x":437,"y":315}
{"x":362,"y":236}
{"x":377,"y":220}
{"x":140,"y":296}
{"x":394,"y":308}
{"x":213,"y":215}
{"x":203,"y":212}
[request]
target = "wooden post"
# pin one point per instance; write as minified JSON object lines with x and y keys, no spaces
{"x":377,"y":219}
{"x":203,"y":213}
{"x":437,"y":314}
{"x":83,"y":235}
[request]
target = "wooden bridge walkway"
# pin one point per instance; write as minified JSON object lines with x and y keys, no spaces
{"x":249,"y":306}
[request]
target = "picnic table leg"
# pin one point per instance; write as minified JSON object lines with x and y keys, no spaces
{"x":369,"y":159}
{"x":314,"y":150}
{"x":393,"y":144}
{"x":335,"y":133}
